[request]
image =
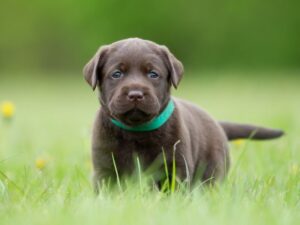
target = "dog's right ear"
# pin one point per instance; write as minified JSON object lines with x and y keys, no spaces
{"x":92,"y":69}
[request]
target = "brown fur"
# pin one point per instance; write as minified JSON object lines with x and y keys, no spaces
{"x":203,"y":141}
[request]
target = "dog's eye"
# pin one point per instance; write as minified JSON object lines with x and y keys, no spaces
{"x":153,"y":75}
{"x":117,"y":74}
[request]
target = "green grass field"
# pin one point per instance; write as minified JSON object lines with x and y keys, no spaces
{"x":45,"y":165}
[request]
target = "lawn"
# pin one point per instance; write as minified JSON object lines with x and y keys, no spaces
{"x":45,"y":165}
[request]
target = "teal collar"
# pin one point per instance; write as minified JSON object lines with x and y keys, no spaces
{"x":154,"y":124}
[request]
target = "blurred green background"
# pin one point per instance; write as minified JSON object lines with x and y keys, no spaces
{"x":61,"y":35}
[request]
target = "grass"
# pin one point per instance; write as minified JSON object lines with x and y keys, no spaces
{"x":45,"y":165}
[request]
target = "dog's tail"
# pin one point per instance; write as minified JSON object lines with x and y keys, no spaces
{"x":240,"y":131}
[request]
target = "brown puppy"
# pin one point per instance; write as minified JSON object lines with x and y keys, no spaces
{"x":138,"y":115}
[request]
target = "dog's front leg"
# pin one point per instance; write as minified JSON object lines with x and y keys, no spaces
{"x":103,"y":169}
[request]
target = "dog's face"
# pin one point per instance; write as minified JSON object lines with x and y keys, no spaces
{"x":134,"y":77}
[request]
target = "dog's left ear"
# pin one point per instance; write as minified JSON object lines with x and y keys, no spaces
{"x":92,"y":69}
{"x":175,"y":67}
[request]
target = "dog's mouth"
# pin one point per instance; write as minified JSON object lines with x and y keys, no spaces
{"x":135,"y":117}
{"x":134,"y":113}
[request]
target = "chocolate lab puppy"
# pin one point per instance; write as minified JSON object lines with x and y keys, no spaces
{"x":139,"y":117}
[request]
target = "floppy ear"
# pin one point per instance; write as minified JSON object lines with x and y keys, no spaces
{"x":92,"y":68}
{"x":174,"y":65}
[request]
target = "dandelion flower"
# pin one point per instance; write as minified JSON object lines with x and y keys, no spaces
{"x":239,"y":142}
{"x":294,"y":169}
{"x":7,"y":109}
{"x":40,"y":163}
{"x":271,"y":181}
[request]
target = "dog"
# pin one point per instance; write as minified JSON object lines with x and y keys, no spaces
{"x":139,"y":117}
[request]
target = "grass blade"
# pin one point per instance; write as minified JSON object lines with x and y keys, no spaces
{"x":116,"y":170}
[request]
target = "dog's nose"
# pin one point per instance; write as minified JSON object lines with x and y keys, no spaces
{"x":135,"y":96}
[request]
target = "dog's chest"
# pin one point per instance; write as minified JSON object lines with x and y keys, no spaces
{"x":144,"y":149}
{"x":129,"y":151}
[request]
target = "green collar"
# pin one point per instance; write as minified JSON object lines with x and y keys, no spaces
{"x":154,"y":124}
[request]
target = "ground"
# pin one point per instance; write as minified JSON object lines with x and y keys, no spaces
{"x":45,"y":165}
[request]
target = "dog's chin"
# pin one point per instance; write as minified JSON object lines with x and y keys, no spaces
{"x":135,"y":117}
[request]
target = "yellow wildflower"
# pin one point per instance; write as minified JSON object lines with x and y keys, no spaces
{"x":294,"y":169}
{"x":88,"y":164}
{"x":239,"y":142}
{"x":271,"y":180}
{"x":7,"y":109}
{"x":40,"y":163}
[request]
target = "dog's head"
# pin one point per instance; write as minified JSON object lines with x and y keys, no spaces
{"x":134,"y":77}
